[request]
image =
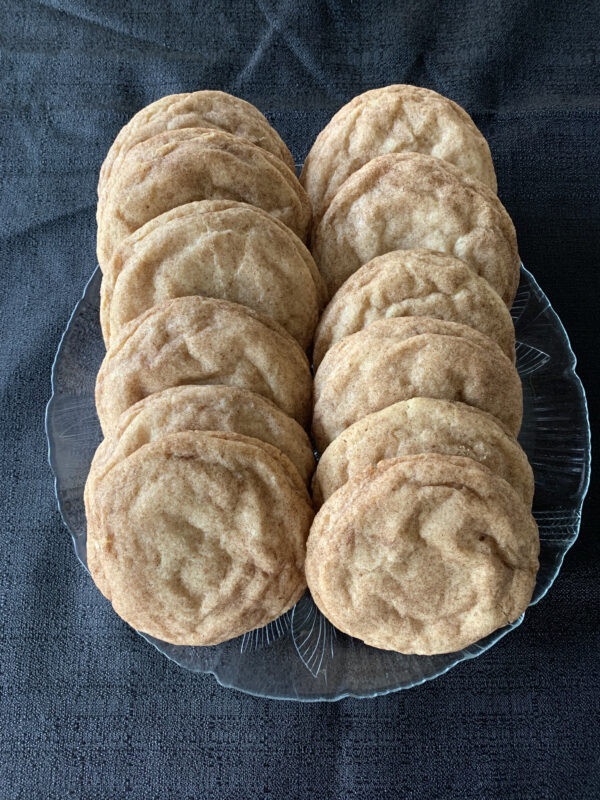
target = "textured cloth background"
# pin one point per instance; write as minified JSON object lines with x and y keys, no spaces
{"x":88,"y":709}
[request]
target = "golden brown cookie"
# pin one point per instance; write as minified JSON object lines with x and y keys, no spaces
{"x":393,"y":119}
{"x":397,"y":359}
{"x":198,"y":537}
{"x":177,"y":167}
{"x":203,"y":408}
{"x":423,"y":554}
{"x":404,"y":201}
{"x":204,"y":109}
{"x":423,"y":425}
{"x":419,"y":283}
{"x":232,"y":251}
{"x":199,"y":340}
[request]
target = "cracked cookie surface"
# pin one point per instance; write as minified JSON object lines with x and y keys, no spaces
{"x":180,"y":166}
{"x":404,"y":357}
{"x":393,"y":119}
{"x":423,"y":554}
{"x":203,"y":109}
{"x":215,"y":248}
{"x":203,"y":408}
{"x":423,"y":425}
{"x":420,"y":283}
{"x":200,"y":340}
{"x":405,"y":201}
{"x":199,"y":537}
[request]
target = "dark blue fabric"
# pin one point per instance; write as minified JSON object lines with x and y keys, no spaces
{"x":88,"y":709}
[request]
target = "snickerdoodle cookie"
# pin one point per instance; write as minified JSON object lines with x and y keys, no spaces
{"x":200,"y":340}
{"x":177,"y":167}
{"x":198,"y":537}
{"x":394,"y":119}
{"x":423,"y":554}
{"x":203,"y":408}
{"x":216,"y":248}
{"x":404,"y":201}
{"x":419,"y":283}
{"x":203,"y":109}
{"x":423,"y":425}
{"x":404,"y":357}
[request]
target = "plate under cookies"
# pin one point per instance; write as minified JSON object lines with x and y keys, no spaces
{"x":301,"y":656}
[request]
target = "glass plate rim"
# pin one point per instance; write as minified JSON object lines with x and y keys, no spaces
{"x":570,"y":370}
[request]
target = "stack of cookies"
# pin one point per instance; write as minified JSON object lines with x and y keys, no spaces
{"x":197,"y":501}
{"x":424,"y":542}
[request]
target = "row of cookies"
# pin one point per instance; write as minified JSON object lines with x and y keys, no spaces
{"x":424,"y":542}
{"x":196,"y":500}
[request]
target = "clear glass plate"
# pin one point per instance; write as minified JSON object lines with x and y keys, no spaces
{"x":301,"y":656}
